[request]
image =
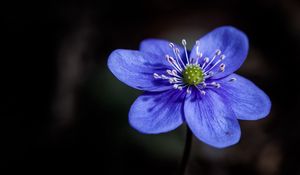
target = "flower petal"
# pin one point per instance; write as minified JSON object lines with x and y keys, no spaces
{"x":246,"y":99}
{"x":233,"y":44}
{"x":136,"y":69}
{"x":155,"y":112}
{"x":159,"y":47}
{"x":211,"y":119}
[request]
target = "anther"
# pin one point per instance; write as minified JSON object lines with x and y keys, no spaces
{"x":188,"y":90}
{"x":184,"y":42}
{"x":164,"y":77}
{"x":217,"y":53}
{"x":217,"y":85}
{"x":206,"y":59}
{"x":172,"y":61}
{"x":202,"y":92}
{"x":167,"y":56}
{"x":213,"y":83}
{"x":156,"y":76}
{"x":185,"y":50}
{"x":174,"y":72}
{"x":171,"y":45}
{"x":222,"y":67}
{"x":199,"y":54}
{"x":175,"y":86}
{"x":169,"y":72}
{"x":222,"y":57}
{"x":209,"y":74}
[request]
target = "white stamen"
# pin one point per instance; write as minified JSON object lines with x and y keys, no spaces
{"x":214,"y":65}
{"x":201,"y":91}
{"x":174,"y":72}
{"x":171,"y":80}
{"x":156,"y":76}
{"x":217,"y":85}
{"x":209,"y":74}
{"x":173,"y":63}
{"x":222,"y":67}
{"x":188,"y":90}
{"x":178,"y":86}
{"x":171,"y":45}
{"x":199,"y":54}
{"x":217,"y":53}
{"x":185,"y":50}
{"x":222,"y":57}
{"x":164,"y":77}
{"x":169,"y":72}
{"x":177,"y":53}
{"x":206,"y":60}
{"x":175,"y":86}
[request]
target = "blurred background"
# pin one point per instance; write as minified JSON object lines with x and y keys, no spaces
{"x":64,"y":111}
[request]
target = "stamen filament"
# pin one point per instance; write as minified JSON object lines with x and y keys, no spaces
{"x":185,"y":50}
{"x":206,"y":60}
{"x":173,"y":63}
{"x":178,"y":54}
{"x":218,"y":52}
{"x":201,"y":91}
{"x":173,"y":48}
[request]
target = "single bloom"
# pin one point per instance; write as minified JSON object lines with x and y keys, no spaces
{"x":198,"y":87}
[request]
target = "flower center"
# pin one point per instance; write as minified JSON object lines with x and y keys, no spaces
{"x":193,"y":75}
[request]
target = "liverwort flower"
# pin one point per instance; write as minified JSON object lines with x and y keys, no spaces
{"x":198,"y":87}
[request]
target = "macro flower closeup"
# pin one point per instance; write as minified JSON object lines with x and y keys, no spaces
{"x":197,"y":87}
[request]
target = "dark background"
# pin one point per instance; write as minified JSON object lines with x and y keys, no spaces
{"x":63,"y":109}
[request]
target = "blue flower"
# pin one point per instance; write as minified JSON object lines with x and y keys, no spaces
{"x":196,"y":87}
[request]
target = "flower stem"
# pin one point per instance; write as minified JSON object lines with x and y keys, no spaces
{"x":187,"y":150}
